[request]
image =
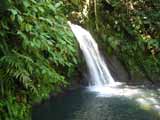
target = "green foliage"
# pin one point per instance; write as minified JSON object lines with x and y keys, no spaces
{"x":37,"y":54}
{"x":130,"y":29}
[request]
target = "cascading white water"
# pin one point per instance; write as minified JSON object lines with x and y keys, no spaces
{"x":98,"y":70}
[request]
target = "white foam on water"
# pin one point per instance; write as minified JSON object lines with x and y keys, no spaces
{"x":100,"y":78}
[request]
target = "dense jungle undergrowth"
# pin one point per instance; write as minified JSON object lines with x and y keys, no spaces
{"x":39,"y":54}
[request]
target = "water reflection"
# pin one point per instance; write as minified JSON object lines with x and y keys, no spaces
{"x":108,"y":103}
{"x":145,"y":97}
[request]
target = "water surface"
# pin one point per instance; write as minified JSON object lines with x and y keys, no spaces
{"x":127,"y":103}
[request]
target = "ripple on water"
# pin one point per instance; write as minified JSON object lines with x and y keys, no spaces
{"x":120,"y":102}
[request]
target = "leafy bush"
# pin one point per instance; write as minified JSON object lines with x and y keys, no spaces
{"x":37,"y":54}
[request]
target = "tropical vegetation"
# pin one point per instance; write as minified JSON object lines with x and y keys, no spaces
{"x":39,"y":54}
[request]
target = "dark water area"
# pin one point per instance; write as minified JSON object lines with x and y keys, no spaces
{"x":82,"y":104}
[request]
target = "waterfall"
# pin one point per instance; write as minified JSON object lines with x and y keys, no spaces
{"x":98,"y":70}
